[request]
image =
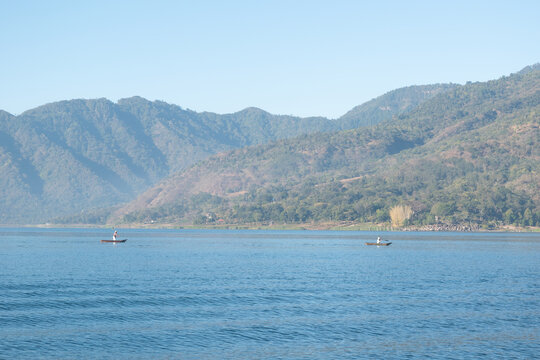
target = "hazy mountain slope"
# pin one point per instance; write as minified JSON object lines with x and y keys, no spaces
{"x":184,"y":136}
{"x":72,"y":149}
{"x":473,"y":151}
{"x":396,"y":102}
{"x":72,"y":156}
{"x":18,"y":180}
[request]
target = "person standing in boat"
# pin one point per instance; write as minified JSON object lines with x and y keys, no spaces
{"x":378,"y":239}
{"x":115,"y":235}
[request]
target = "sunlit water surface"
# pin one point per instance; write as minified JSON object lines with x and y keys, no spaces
{"x":191,"y":294}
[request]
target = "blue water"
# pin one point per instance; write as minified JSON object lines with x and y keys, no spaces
{"x":189,"y":294}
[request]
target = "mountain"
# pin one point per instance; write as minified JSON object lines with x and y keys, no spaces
{"x":73,"y":155}
{"x":80,"y":155}
{"x":468,"y":155}
{"x":399,"y":101}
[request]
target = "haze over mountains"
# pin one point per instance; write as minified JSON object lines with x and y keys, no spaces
{"x":470,"y":155}
{"x":75,"y":156}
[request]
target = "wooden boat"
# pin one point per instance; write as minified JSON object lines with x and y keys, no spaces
{"x":114,"y":241}
{"x":379,"y":244}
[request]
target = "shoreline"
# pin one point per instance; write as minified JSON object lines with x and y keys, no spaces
{"x":329,"y":226}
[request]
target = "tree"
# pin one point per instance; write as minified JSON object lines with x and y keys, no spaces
{"x":381,"y":215}
{"x":399,"y":214}
{"x":527,"y":219}
{"x":443,"y":209}
{"x":509,"y":216}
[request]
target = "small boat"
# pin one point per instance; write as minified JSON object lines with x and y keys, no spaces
{"x":379,"y":244}
{"x":114,"y":241}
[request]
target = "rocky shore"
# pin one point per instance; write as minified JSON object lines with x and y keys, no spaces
{"x":445,"y":227}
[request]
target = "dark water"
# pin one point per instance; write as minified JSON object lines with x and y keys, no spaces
{"x":268,"y":295}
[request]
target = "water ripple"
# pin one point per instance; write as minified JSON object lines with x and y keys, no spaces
{"x":208,"y":295}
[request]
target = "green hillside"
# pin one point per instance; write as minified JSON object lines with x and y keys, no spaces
{"x":77,"y":156}
{"x":470,"y":155}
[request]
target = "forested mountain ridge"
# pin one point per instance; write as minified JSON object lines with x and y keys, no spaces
{"x":469,"y":155}
{"x":72,"y":156}
{"x":399,"y":101}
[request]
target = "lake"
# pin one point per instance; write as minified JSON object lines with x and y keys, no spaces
{"x":205,"y":294}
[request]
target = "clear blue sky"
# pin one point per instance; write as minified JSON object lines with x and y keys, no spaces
{"x":287,"y":57}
